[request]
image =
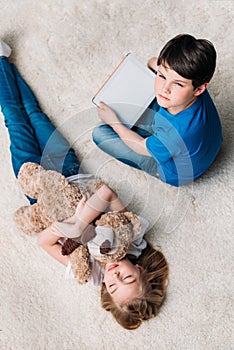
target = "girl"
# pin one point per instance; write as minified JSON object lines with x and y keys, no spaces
{"x":133,"y":288}
{"x":153,"y":275}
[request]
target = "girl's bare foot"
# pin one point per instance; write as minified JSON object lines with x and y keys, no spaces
{"x":5,"y":49}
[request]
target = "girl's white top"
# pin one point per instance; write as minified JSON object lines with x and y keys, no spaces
{"x":137,"y":245}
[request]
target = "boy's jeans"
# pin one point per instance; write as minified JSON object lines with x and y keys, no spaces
{"x":109,"y":141}
{"x":33,"y":138}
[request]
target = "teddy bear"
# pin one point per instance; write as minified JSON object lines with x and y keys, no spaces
{"x":108,"y":240}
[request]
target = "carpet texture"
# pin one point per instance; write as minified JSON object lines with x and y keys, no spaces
{"x":65,"y":49}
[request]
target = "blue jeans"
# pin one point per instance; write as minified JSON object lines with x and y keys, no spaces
{"x":33,"y":138}
{"x":110,"y":142}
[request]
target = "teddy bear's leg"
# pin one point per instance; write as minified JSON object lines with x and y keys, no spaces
{"x":80,"y":264}
{"x":29,"y":219}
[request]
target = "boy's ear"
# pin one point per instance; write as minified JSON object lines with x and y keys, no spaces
{"x":200,"y":89}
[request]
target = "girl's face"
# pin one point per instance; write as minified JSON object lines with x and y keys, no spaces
{"x":123,"y":281}
{"x":174,"y":92}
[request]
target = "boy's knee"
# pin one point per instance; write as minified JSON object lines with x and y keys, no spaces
{"x":97,"y":134}
{"x":102,"y":133}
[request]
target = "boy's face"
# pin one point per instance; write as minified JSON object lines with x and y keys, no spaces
{"x":172,"y":91}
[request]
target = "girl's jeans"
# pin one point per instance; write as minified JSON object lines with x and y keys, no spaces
{"x":33,"y":138}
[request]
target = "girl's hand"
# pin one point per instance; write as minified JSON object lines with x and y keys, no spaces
{"x":80,"y":207}
{"x":71,"y":220}
{"x":106,"y":114}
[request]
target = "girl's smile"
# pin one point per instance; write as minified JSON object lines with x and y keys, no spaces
{"x":113,"y":266}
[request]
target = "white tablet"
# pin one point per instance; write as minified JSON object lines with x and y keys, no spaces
{"x":128,"y":90}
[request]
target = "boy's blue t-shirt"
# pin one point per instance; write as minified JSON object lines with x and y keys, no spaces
{"x":185,"y":144}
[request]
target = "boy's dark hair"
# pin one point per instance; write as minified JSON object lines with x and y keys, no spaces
{"x":191,"y":58}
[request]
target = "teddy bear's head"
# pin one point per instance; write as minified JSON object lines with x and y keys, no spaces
{"x":114,"y":234}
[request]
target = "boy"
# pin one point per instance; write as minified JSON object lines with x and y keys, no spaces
{"x":186,"y":130}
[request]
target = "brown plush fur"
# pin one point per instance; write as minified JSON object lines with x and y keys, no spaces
{"x":57,"y":200}
{"x":125,"y":226}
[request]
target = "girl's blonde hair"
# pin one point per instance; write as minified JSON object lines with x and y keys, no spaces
{"x":154,"y":281}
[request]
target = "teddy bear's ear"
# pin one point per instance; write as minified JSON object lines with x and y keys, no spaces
{"x":122,"y":228}
{"x":51,"y":180}
{"x":29,"y":179}
{"x":135,"y":222}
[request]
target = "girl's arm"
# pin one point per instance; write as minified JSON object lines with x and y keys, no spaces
{"x":134,"y":141}
{"x":87,"y":211}
{"x":49,"y":242}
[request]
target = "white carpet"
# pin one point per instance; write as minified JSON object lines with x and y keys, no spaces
{"x":65,"y":49}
